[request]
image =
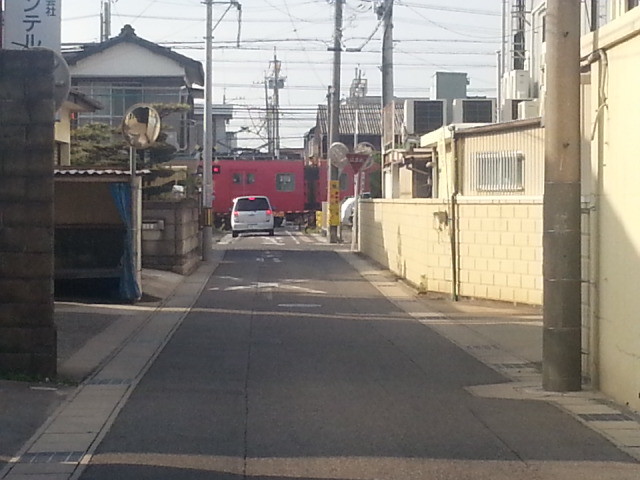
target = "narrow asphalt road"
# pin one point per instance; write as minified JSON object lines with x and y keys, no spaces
{"x":292,"y":366}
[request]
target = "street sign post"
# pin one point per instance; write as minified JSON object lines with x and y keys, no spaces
{"x":357,"y":161}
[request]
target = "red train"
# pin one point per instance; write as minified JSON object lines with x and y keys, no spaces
{"x":296,"y":190}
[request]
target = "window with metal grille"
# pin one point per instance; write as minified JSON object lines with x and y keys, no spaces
{"x":285,"y":182}
{"x":499,"y":171}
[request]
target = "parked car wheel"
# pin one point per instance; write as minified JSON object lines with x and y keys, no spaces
{"x":234,"y":234}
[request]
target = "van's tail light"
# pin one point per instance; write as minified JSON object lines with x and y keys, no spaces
{"x":269,"y":212}
{"x":235,"y":214}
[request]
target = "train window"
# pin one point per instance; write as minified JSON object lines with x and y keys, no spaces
{"x":251,"y":178}
{"x":237,"y":178}
{"x":285,"y":182}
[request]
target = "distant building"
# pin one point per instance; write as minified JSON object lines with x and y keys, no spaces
{"x":126,"y":70}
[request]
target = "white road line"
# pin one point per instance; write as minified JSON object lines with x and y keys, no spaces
{"x":272,"y":241}
{"x":271,"y":285}
{"x":293,"y":237}
{"x":225,"y":240}
{"x":299,"y":305}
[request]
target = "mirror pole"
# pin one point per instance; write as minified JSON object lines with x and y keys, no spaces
{"x":135,"y":220}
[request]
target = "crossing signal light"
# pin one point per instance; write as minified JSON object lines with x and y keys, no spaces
{"x":216,"y":169}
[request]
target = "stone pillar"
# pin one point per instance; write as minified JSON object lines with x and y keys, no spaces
{"x":27,"y":330}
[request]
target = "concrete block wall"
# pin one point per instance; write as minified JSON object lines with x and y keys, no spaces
{"x":499,"y":245}
{"x":410,"y":238}
{"x":175,"y":247}
{"x":27,"y":330}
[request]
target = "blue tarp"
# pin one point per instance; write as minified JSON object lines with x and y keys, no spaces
{"x":129,"y":288}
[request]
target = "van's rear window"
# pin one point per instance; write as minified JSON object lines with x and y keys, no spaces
{"x":252,"y":205}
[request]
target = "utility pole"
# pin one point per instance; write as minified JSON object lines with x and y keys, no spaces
{"x":276,"y":104}
{"x":334,"y":131}
{"x":385,"y":13}
{"x":105,"y":20}
{"x":275,"y":82}
{"x":268,"y":120}
{"x":207,"y":141}
{"x":561,"y":345}
{"x":387,"y":52}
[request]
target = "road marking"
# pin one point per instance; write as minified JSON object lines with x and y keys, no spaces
{"x":299,"y":305}
{"x":293,"y":237}
{"x":229,"y":277}
{"x":226,"y":239}
{"x":270,"y":285}
{"x":272,"y":241}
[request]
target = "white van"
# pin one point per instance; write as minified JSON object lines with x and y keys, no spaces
{"x":251,"y":214}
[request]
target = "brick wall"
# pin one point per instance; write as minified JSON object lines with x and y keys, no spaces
{"x":27,"y":330}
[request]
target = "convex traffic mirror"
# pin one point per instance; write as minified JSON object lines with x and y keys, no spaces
{"x":141,"y":126}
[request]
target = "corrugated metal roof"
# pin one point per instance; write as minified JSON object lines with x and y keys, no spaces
{"x":96,"y":172}
{"x":369,"y":118}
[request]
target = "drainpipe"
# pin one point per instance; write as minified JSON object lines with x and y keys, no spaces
{"x":453,"y":225}
{"x":599,"y":57}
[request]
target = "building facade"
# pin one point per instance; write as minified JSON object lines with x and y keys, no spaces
{"x":128,"y":69}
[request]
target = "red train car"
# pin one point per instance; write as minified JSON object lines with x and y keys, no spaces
{"x":295,"y":190}
{"x":280,"y":180}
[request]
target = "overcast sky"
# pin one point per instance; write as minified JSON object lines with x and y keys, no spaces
{"x":429,"y":36}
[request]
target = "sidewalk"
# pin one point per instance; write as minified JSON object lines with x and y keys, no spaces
{"x":108,"y":348}
{"x":88,"y":334}
{"x":507,"y":338}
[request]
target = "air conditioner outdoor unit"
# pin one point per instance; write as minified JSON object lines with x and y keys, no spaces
{"x":474,"y":110}
{"x":517,"y":85}
{"x":528,"y":109}
{"x":423,"y":116}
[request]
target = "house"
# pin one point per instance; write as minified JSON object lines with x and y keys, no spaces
{"x":359,"y":122}
{"x":76,"y":103}
{"x":360,"y":125}
{"x":479,"y":231}
{"x":151,"y":74}
{"x":121,"y":72}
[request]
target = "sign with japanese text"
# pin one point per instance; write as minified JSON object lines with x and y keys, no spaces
{"x":357,"y":160}
{"x":31,"y":24}
{"x":334,"y":203}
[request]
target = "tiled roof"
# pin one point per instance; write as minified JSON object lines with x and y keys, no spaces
{"x":83,"y":102}
{"x":95,"y":172}
{"x":193,"y":69}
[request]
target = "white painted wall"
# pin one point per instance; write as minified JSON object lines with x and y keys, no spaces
{"x":128,"y":60}
{"x":613,"y":118}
